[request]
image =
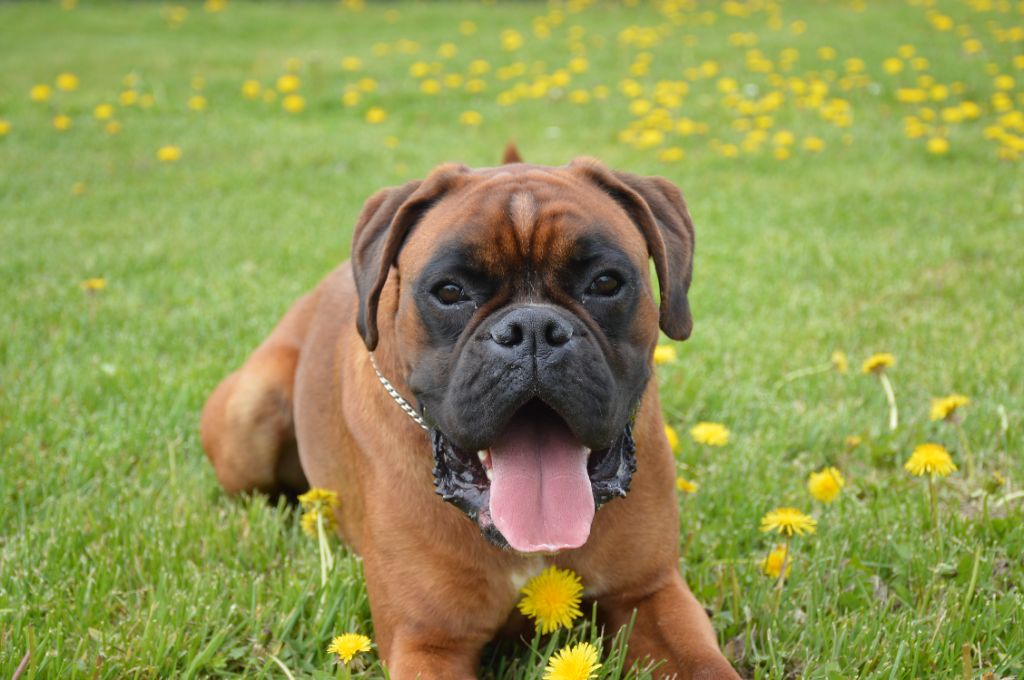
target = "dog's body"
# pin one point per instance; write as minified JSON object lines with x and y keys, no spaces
{"x":487,"y":297}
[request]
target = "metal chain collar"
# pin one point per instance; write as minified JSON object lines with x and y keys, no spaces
{"x":402,"y":403}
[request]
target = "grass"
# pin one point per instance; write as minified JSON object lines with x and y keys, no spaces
{"x":122,"y":558}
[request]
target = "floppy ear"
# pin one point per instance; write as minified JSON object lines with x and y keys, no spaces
{"x":657,"y":207}
{"x":383,"y":225}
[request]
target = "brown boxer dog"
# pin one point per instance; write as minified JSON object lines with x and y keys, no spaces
{"x":511,"y":309}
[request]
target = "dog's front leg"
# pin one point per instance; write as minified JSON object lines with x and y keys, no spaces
{"x":670,"y":627}
{"x":429,"y":655}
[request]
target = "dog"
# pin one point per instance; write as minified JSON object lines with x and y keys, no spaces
{"x":475,"y":384}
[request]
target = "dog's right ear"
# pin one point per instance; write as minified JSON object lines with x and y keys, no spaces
{"x":383,"y":225}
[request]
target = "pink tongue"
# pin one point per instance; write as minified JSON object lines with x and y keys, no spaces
{"x":541,"y":499}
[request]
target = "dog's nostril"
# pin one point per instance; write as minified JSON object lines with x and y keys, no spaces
{"x":557,"y":333}
{"x":508,"y":334}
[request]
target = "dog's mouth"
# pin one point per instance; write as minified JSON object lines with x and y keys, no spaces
{"x":536,"y":487}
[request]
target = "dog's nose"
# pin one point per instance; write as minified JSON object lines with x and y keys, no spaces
{"x":532,"y":329}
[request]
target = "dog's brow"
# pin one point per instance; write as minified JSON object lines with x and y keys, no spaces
{"x":522,"y":208}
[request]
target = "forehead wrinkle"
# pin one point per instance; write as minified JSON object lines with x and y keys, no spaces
{"x":522,"y":211}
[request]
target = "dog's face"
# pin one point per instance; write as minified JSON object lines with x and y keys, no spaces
{"x":526,"y":321}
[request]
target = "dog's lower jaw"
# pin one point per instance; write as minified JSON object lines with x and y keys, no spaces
{"x":462,"y":478}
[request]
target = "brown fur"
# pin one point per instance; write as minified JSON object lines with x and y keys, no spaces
{"x":438,"y":590}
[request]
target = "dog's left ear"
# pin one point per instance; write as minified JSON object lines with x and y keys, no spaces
{"x":657,"y":207}
{"x":385,"y":222}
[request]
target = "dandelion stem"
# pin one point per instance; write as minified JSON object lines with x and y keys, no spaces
{"x":284,"y":669}
{"x":974,"y":577}
{"x":782,"y":579}
{"x":894,"y":414}
{"x":934,"y":502}
{"x":803,"y":372}
{"x":967,"y":451}
{"x":326,"y":561}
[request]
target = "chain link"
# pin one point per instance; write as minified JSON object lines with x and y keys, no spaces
{"x":402,"y":403}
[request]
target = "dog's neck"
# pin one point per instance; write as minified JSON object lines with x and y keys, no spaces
{"x":408,"y":408}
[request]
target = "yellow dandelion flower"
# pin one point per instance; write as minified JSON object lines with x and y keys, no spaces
{"x":578,"y":64}
{"x":93,"y":285}
{"x":772,"y":564}
{"x":67,"y":82}
{"x":251,"y":89}
{"x":840,"y":361}
{"x":348,"y":645}
{"x":552,"y":599}
{"x":470,"y":118}
{"x":826,"y":484}
{"x":712,"y":434}
{"x":351,"y":63}
{"x":579,"y":97}
{"x":994,"y":482}
{"x":419,"y":69}
{"x":511,"y":40}
{"x":573,"y":662}
{"x":197,"y":102}
{"x":318,"y":498}
{"x":673,"y":438}
{"x":351,"y":98}
{"x":467,"y":27}
{"x":686,"y":486}
{"x":944,"y":408}
{"x":671,"y":155}
{"x":938,"y":146}
{"x":112,"y":127}
{"x":931,"y":459}
{"x":665,"y":354}
{"x":877,"y":363}
{"x":814,"y":145}
{"x":5,"y":127}
{"x":128,"y":98}
{"x":289,"y":82}
{"x":788,"y":521}
{"x":892,"y":65}
{"x":103,"y":111}
{"x":376,"y":115}
{"x":293,"y":103}
{"x":168,"y":154}
{"x":1003,"y":82}
{"x":62,"y":122}
{"x":308,"y":522}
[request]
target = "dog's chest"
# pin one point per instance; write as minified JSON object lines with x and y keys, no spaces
{"x":523,"y":572}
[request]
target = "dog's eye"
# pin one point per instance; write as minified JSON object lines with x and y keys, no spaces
{"x":604,"y":285}
{"x":449,"y":293}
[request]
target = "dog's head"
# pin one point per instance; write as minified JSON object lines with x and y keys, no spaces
{"x":525,"y":321}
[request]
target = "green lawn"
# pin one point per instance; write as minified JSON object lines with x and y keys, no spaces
{"x":120,"y":556}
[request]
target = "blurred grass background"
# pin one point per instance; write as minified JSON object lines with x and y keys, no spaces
{"x":119,"y":555}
